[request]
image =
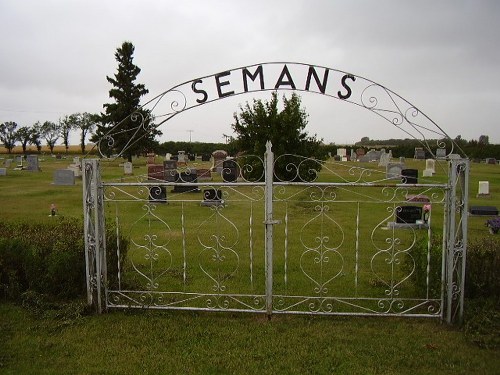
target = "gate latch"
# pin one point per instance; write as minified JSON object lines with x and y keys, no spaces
{"x":272,"y":222}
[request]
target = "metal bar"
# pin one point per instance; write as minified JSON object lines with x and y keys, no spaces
{"x":464,"y":179}
{"x":268,"y":207}
{"x":86,"y":182}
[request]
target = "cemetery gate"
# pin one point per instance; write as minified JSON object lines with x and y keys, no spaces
{"x":283,"y":234}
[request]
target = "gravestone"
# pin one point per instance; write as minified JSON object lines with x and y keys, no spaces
{"x":337,"y":158}
{"x":341,"y":152}
{"x":393,"y":170}
{"x":441,"y":153}
{"x":364,"y":158}
{"x":354,"y":157}
{"x":192,"y":157}
{"x":409,"y":176}
{"x":408,"y":214}
{"x":168,"y":155}
{"x":431,"y":165}
{"x":212,"y":197}
{"x":156,"y":172}
{"x":491,"y":161}
{"x":183,"y":177}
{"x":484,"y":189}
{"x":8,"y":163}
{"x":419,"y":153}
{"x":157,"y":194}
{"x":3,"y":171}
{"x":385,"y":158}
{"x":128,"y":168}
{"x":218,"y":158}
{"x":182,"y":158}
{"x":170,"y":170}
{"x":483,"y":210}
{"x":32,"y":163}
{"x":230,"y":170}
{"x":205,"y":157}
{"x":64,"y":177}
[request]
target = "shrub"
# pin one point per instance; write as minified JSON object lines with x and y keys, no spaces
{"x":482,"y":275}
{"x":47,"y":258}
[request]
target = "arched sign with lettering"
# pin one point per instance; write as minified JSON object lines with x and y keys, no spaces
{"x":300,"y":77}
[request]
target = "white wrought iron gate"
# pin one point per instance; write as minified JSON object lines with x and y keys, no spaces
{"x":318,"y":243}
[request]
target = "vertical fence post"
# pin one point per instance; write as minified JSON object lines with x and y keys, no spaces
{"x":456,"y":239}
{"x":94,"y":232}
{"x":268,"y":207}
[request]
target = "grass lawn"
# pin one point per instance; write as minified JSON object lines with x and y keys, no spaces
{"x":130,"y":342}
{"x":222,"y":343}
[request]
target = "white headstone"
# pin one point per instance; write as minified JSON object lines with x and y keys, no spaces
{"x":168,"y":155}
{"x":427,"y":173}
{"x":127,"y":168}
{"x":484,"y":188}
{"x":341,"y":152}
{"x":431,"y":165}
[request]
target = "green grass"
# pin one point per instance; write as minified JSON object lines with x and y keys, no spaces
{"x":215,"y":343}
{"x":129,"y":342}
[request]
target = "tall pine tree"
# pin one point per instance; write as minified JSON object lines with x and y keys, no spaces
{"x":126,"y":128}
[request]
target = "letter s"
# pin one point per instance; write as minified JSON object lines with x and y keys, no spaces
{"x":199,"y":91}
{"x":344,"y":85}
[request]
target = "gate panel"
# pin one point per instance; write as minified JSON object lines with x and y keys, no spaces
{"x":332,"y":245}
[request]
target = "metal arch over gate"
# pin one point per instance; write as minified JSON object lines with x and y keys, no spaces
{"x":330,"y":244}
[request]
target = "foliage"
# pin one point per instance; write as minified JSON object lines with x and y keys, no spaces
{"x":86,"y":122}
{"x":132,"y":129}
{"x":482,"y":322}
{"x":263,"y":122}
{"x":36,"y":135}
{"x":47,"y":258}
{"x":24,"y":135}
{"x":8,"y":135}
{"x":493,"y":224}
{"x":66,"y":124}
{"x":482,"y":276}
{"x":50,"y":131}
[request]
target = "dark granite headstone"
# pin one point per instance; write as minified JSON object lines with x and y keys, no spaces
{"x":229,"y":170}
{"x":183,"y":177}
{"x":483,"y":210}
{"x":170,"y":168}
{"x":408,"y":214}
{"x":157,"y":194}
{"x":205,"y":157}
{"x":409,"y":176}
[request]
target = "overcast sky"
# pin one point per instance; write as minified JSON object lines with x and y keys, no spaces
{"x":441,"y":56}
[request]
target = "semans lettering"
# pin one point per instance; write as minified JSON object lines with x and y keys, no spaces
{"x":253,"y":79}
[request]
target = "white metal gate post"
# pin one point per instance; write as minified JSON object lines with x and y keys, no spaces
{"x":94,"y":233}
{"x":456,"y":239}
{"x":269,"y":222}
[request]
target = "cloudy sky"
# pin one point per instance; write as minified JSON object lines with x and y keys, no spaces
{"x":441,"y":56}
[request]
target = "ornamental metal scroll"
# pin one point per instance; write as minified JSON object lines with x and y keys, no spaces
{"x":272,"y":76}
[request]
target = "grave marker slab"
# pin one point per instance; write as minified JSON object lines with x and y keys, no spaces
{"x":128,"y":168}
{"x":64,"y":177}
{"x":409,"y":176}
{"x":3,"y":171}
{"x":393,"y":170}
{"x":484,"y":188}
{"x":441,"y":153}
{"x":32,"y":163}
{"x":156,"y":172}
{"x":408,"y":214}
{"x":212,"y":197}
